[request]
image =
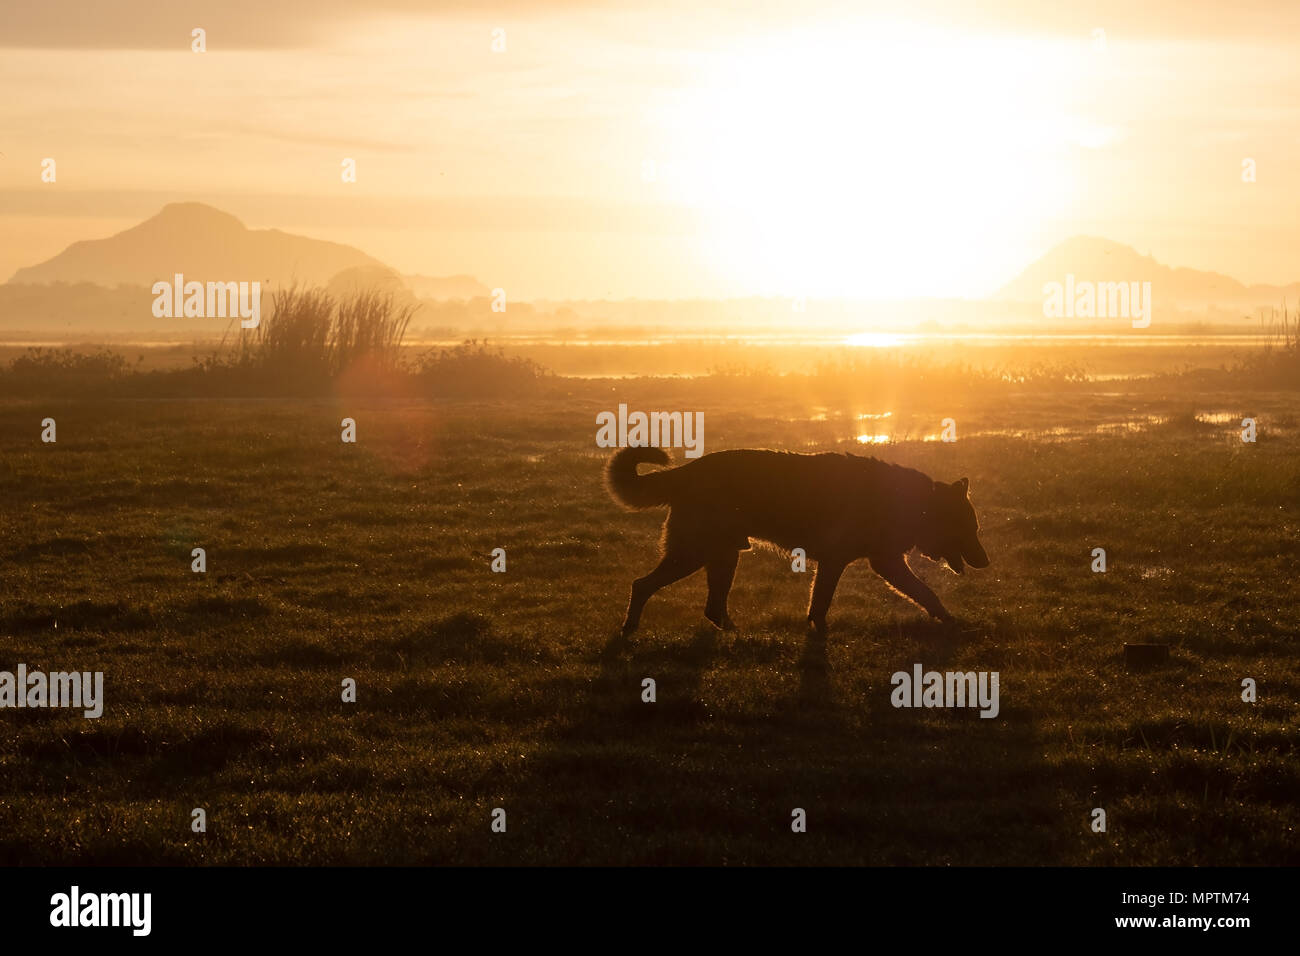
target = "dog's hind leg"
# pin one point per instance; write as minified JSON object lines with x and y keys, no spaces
{"x":823,"y":589}
{"x":721,"y":572}
{"x":673,"y":567}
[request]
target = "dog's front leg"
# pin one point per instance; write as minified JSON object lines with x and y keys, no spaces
{"x":901,"y":579}
{"x":823,"y":589}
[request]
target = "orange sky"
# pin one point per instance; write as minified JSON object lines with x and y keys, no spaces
{"x":667,"y":149}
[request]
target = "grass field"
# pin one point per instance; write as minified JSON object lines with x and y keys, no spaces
{"x":479,"y":690}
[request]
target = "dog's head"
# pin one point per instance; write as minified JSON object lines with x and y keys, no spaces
{"x":949,"y":530}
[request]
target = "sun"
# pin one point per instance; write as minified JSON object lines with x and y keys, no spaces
{"x":868,"y":160}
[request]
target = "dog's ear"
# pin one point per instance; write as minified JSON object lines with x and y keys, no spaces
{"x":962,"y":485}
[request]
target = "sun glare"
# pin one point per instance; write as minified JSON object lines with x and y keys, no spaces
{"x":869,"y":162}
{"x":876,"y":340}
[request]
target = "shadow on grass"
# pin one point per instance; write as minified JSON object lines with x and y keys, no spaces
{"x":743,"y":731}
{"x":29,"y":618}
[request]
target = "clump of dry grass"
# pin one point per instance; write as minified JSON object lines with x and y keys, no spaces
{"x":1277,"y":364}
{"x":309,"y":334}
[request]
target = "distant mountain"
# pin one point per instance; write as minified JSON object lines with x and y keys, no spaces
{"x":105,"y":284}
{"x":385,"y":281}
{"x":203,"y":243}
{"x":1095,"y":260}
{"x":206,"y":244}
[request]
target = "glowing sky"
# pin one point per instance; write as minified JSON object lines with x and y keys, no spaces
{"x":666,"y":149}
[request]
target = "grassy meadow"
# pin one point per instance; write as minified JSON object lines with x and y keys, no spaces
{"x":479,"y":690}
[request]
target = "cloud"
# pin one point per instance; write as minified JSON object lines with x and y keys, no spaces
{"x":230,"y":24}
{"x":289,"y":24}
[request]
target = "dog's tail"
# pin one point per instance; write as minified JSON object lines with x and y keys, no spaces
{"x":637,"y":491}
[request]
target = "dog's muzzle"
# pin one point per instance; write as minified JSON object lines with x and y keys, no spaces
{"x":976,"y":557}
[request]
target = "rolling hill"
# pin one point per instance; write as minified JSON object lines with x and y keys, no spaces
{"x":203,"y":243}
{"x":1091,"y":259}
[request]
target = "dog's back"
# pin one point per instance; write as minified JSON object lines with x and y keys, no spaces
{"x":788,"y":499}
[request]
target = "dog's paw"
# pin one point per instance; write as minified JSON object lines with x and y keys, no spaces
{"x":955,"y":627}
